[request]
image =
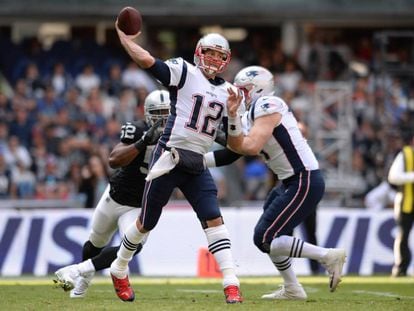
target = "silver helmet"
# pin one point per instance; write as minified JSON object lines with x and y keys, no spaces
{"x":157,"y":106}
{"x":216,"y":42}
{"x":254,"y":81}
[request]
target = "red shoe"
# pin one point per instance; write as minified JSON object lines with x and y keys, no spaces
{"x":233,"y":295}
{"x":123,"y":289}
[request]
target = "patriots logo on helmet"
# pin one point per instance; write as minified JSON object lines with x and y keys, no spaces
{"x":251,"y":74}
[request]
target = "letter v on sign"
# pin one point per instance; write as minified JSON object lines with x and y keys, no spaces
{"x":6,"y":241}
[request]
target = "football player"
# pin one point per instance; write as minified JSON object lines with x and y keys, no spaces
{"x":270,"y":129}
{"x":120,"y":203}
{"x":198,"y":97}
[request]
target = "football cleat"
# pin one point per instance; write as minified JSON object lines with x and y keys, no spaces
{"x":333,"y":262}
{"x":66,"y":277}
{"x":82,"y":285}
{"x":232,"y":293}
{"x":123,"y":289}
{"x":287,"y":292}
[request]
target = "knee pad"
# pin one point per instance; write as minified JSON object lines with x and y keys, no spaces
{"x":98,"y":239}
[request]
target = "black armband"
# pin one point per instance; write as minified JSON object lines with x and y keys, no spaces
{"x":225,"y":157}
{"x":140,"y":145}
{"x":221,"y":138}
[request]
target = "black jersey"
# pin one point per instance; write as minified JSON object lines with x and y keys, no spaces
{"x":127,"y":183}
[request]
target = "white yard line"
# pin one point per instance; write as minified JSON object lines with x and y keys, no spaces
{"x":383,"y":294}
{"x":206,"y":291}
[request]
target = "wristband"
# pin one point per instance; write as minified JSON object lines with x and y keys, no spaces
{"x":210,"y":159}
{"x":235,"y":127}
{"x":140,"y":145}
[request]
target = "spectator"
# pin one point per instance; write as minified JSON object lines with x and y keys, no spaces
{"x":49,"y":187}
{"x":113,"y":84}
{"x":135,"y":77}
{"x":5,"y":178}
{"x":6,"y":113}
{"x":60,"y":80}
{"x":256,"y":179}
{"x":23,"y":181}
{"x":73,"y":103}
{"x":22,"y":126}
{"x":87,"y":79}
{"x":94,"y":180}
{"x":15,"y":152}
{"x":48,"y":106}
{"x":34,"y":81}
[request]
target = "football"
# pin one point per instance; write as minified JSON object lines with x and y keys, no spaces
{"x":129,"y":20}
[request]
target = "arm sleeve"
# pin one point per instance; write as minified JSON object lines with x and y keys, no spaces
{"x":397,"y":175}
{"x":225,"y":156}
{"x":161,"y":72}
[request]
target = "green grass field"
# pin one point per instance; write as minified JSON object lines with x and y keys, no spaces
{"x":354,"y":293}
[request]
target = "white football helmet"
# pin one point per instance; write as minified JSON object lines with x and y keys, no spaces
{"x":157,"y":106}
{"x":254,"y":81}
{"x":210,"y":65}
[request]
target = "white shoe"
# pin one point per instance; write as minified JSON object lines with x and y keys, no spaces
{"x":288,"y":292}
{"x":333,"y":262}
{"x":82,"y":285}
{"x":66,"y":277}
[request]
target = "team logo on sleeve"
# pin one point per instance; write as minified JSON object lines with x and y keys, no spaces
{"x":173,"y":61}
{"x":265,"y":106}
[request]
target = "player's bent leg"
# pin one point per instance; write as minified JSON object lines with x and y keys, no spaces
{"x":332,"y":259}
{"x":104,"y":221}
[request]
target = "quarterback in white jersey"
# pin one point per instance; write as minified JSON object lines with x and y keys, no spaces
{"x":198,"y":106}
{"x":271,"y":130}
{"x":197,"y":111}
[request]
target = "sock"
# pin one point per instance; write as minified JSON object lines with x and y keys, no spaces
{"x":293,"y":247}
{"x":283,"y":265}
{"x":86,"y":267}
{"x":89,"y":250}
{"x":127,"y":249}
{"x":105,"y":258}
{"x":219,"y":245}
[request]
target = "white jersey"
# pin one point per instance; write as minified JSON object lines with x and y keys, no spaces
{"x":197,"y":108}
{"x":287,"y":151}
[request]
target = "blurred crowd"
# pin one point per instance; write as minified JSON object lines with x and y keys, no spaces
{"x":59,"y":119}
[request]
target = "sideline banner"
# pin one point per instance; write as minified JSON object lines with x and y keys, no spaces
{"x":39,"y":242}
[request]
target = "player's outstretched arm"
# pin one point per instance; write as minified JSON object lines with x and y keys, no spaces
{"x":123,"y":154}
{"x":138,"y":54}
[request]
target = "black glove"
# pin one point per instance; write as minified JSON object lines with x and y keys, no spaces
{"x":149,"y":137}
